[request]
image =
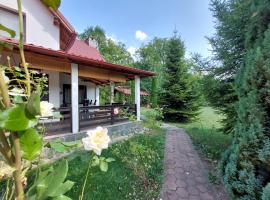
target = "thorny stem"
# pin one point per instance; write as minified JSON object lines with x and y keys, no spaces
{"x":85,"y":180}
{"x":4,"y":90}
{"x":6,"y":100}
{"x":18,"y":166}
{"x":6,"y":150}
{"x":21,"y":41}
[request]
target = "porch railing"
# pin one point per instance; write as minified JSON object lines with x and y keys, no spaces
{"x":58,"y":125}
{"x":89,"y":116}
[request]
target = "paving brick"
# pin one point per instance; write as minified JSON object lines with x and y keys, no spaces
{"x":185,"y":178}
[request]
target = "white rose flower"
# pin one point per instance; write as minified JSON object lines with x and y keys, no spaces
{"x":16,"y":92}
{"x":97,"y":140}
{"x":46,"y":109}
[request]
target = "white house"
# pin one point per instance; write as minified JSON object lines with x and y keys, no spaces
{"x":75,"y":68}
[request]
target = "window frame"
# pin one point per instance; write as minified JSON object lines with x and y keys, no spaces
{"x":14,"y":11}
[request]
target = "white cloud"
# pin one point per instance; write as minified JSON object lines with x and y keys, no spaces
{"x":112,"y":37}
{"x":140,"y":35}
{"x":132,"y":50}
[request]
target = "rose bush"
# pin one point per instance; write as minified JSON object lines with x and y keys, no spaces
{"x":21,"y":139}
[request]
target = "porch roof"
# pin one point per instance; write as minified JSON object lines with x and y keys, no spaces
{"x":127,"y":90}
{"x":66,"y":58}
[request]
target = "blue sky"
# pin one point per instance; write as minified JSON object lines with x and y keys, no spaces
{"x":121,"y":19}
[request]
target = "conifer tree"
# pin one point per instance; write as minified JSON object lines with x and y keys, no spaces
{"x":246,"y":164}
{"x":153,"y":97}
{"x":178,"y":97}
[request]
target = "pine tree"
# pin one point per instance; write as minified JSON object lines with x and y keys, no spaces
{"x":178,"y":97}
{"x":229,"y":47}
{"x":246,"y":164}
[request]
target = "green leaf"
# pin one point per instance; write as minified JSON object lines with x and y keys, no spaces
{"x":17,"y":100}
{"x":15,"y":119}
{"x":61,"y":147}
{"x":49,"y":184}
{"x":71,"y":144}
{"x":62,"y":197}
{"x":58,"y":146}
{"x":5,"y":45}
{"x":33,"y":105}
{"x":103,"y":166}
{"x":31,"y":144}
{"x":11,"y":32}
{"x":95,"y":161}
{"x":31,"y":193}
{"x":55,"y":4}
{"x":110,"y":160}
{"x":62,"y":189}
{"x":58,"y":177}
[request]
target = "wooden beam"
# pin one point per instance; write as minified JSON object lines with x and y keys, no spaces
{"x":47,"y":63}
{"x":100,"y":74}
{"x":95,"y":81}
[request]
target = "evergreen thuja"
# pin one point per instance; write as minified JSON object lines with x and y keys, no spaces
{"x":246,"y":166}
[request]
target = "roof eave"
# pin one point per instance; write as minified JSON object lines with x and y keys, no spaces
{"x":83,"y":60}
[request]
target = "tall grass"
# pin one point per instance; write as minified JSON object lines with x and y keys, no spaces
{"x":205,"y":133}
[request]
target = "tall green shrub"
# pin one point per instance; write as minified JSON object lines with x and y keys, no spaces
{"x":178,"y":96}
{"x":246,"y":165}
{"x":153,"y":97}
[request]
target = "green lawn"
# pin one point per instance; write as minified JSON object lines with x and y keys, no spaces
{"x":205,"y":134}
{"x":136,"y":174}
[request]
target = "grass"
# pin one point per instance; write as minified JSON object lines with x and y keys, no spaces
{"x":136,"y":174}
{"x":205,"y":133}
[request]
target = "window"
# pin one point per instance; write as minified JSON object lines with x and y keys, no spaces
{"x":10,"y":19}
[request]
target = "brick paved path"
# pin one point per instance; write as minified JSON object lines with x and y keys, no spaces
{"x":185,"y":177}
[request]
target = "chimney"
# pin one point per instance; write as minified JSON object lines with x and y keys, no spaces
{"x":91,"y":42}
{"x":86,"y":41}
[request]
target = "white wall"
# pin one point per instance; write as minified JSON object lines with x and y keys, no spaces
{"x":40,"y":29}
{"x":54,"y":88}
{"x":91,"y":92}
{"x":91,"y":88}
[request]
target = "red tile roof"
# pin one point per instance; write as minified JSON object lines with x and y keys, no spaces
{"x":80,"y":48}
{"x":127,"y":90}
{"x":80,"y":59}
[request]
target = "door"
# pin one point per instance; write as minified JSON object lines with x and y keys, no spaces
{"x":67,"y":94}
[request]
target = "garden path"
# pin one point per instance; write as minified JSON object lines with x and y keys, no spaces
{"x":185,"y":176}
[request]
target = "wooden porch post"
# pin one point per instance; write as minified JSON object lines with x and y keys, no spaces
{"x":97,"y":95}
{"x":75,"y":97}
{"x":138,"y":97}
{"x":112,"y":93}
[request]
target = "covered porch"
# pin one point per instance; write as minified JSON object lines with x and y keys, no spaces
{"x":91,"y":113}
{"x":74,"y":83}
